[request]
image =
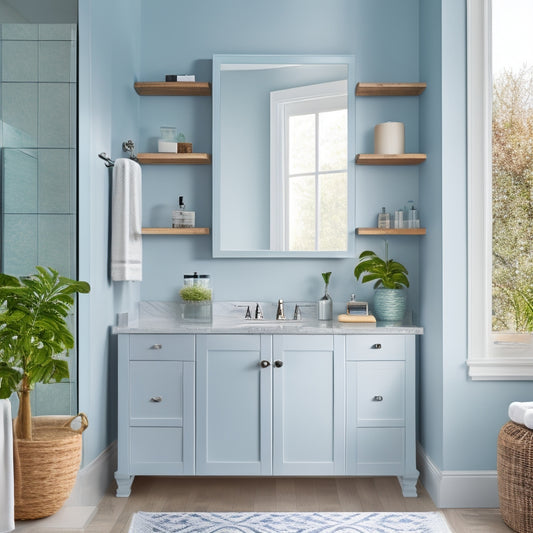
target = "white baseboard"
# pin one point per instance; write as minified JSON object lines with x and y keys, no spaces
{"x":458,"y":488}
{"x":94,"y":479}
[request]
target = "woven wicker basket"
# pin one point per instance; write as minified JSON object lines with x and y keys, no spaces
{"x":515,"y":476}
{"x":46,"y":467}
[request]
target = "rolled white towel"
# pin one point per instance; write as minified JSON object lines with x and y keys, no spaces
{"x":528,"y":419}
{"x":517,"y":411}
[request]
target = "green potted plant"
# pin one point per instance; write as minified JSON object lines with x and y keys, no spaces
{"x":390,"y":279}
{"x":196,"y":302}
{"x":34,"y":339}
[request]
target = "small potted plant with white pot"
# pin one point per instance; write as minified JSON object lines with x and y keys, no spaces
{"x":390,"y":281}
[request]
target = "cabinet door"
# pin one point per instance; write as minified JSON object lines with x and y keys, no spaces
{"x":308,"y":405}
{"x":234,"y":405}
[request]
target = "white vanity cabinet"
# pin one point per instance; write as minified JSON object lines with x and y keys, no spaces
{"x":216,"y":400}
{"x":270,"y":405}
{"x":155,"y":407}
{"x":380,"y":407}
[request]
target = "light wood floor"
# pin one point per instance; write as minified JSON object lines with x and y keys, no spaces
{"x":276,"y":494}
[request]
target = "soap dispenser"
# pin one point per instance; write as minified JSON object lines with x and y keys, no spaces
{"x":182,"y":218}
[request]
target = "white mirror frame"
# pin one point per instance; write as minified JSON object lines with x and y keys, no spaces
{"x":223,"y":59}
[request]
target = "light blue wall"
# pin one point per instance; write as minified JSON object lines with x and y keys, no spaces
{"x":460,"y":419}
{"x":108,"y":115}
{"x":431,"y":290}
{"x":181,"y":37}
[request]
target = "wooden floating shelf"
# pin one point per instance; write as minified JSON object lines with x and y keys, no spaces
{"x":390,"y":89}
{"x":172,"y":88}
{"x":392,"y":159}
{"x":390,"y":231}
{"x":174,"y":159}
{"x":175,"y":231}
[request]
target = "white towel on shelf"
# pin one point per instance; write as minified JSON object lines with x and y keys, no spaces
{"x":126,"y":219}
{"x":518,"y":410}
{"x":7,"y":494}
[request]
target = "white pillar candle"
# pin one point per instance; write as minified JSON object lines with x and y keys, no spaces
{"x":389,"y":138}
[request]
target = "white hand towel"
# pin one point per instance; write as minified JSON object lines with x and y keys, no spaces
{"x":126,"y":217}
{"x":7,"y":494}
{"x":517,"y":411}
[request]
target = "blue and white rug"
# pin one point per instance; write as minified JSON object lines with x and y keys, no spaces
{"x":288,"y":523}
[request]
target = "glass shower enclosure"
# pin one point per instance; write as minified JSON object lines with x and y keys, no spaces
{"x":38,"y":166}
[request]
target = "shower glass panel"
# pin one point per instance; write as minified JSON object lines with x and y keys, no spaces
{"x":38,"y":166}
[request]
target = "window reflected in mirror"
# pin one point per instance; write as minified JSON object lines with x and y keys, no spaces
{"x":309,"y":135}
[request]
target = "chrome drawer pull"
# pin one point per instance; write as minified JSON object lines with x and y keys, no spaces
{"x":377,"y":399}
{"x":376,"y":346}
{"x":156,"y":399}
{"x":265,"y":363}
{"x":156,"y":347}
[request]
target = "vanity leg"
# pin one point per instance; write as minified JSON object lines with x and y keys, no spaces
{"x":408,"y":485}
{"x":123,"y":485}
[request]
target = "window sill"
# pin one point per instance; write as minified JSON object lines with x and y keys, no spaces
{"x":501,"y":369}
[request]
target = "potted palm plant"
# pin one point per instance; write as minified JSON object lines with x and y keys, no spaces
{"x":34,"y":338}
{"x":390,"y":281}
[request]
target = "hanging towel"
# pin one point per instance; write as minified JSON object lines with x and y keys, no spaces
{"x":7,"y":497}
{"x":126,"y":215}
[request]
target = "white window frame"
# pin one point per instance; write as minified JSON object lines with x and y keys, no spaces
{"x":332,"y":95}
{"x":486,"y":360}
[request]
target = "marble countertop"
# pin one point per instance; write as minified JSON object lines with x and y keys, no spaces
{"x":228,"y":317}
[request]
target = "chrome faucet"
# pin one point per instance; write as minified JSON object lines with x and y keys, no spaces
{"x":258,"y":312}
{"x":280,"y":315}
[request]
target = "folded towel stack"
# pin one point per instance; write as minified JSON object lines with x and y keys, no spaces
{"x":522,"y":413}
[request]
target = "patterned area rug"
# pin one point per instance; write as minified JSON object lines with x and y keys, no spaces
{"x":288,"y":523}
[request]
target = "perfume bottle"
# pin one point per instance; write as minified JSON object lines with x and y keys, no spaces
{"x":182,"y":218}
{"x":383,"y":219}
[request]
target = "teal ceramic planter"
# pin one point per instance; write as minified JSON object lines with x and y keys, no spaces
{"x":389,"y":304}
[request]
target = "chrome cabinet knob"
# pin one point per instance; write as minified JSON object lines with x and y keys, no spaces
{"x":265,"y":364}
{"x":156,"y":399}
{"x":377,"y":399}
{"x":376,"y":346}
{"x":278,"y":364}
{"x":156,"y":347}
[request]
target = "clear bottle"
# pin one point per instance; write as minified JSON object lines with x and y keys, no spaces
{"x":383,"y":219}
{"x":182,"y":218}
{"x":412,"y":218}
{"x":398,"y":218}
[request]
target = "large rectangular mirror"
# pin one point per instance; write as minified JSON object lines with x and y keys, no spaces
{"x":283,"y":156}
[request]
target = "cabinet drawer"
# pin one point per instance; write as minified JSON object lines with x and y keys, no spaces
{"x":380,"y":451}
{"x":362,"y":347}
{"x":162,"y":347}
{"x":156,"y":450}
{"x":380,"y":393}
{"x":156,"y":393}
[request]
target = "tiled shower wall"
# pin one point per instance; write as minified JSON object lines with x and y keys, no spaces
{"x":38,"y":166}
